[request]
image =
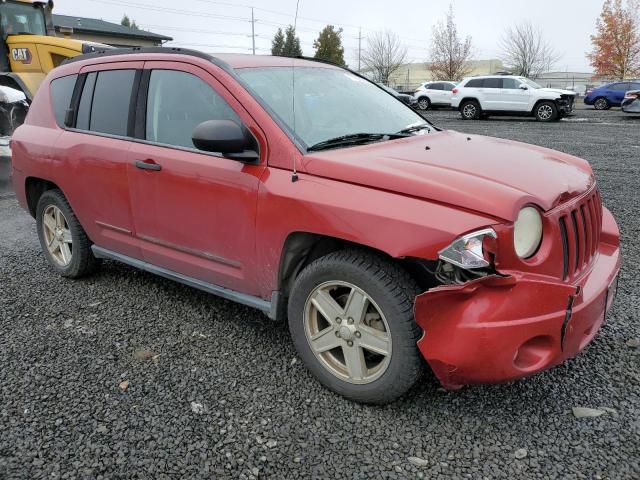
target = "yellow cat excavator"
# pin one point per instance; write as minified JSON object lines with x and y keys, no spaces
{"x":29,"y":49}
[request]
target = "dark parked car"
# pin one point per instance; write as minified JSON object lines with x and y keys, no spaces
{"x":631,"y":102}
{"x":403,"y":97}
{"x":610,"y":95}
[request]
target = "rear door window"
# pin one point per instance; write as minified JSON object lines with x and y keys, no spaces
{"x":492,"y":83}
{"x":105,"y":102}
{"x":619,"y":87}
{"x":475,"y":83}
{"x":112,"y":102}
{"x":61,"y":94}
{"x":177,"y":103}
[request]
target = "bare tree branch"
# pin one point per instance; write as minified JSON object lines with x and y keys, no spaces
{"x":525,"y":52}
{"x":450,"y":54}
{"x":383,"y":55}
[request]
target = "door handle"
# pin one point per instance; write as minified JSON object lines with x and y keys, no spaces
{"x":148,"y":165}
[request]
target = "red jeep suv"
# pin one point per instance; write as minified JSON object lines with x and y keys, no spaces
{"x":304,"y":190}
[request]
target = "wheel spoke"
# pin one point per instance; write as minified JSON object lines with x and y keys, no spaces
{"x":53,"y":244}
{"x":66,"y":252}
{"x":356,"y":306}
{"x":49,"y":222}
{"x":66,"y":236}
{"x":326,"y":306}
{"x":324,"y":340}
{"x":374,"y":340}
{"x":354,"y":360}
{"x":59,"y":218}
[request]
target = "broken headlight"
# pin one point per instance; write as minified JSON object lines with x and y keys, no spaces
{"x":467,"y":251}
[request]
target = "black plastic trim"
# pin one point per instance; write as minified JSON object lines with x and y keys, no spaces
{"x":128,"y":51}
{"x":243,"y":298}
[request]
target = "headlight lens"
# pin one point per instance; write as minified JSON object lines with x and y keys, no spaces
{"x":466,"y":251}
{"x":527,"y":232}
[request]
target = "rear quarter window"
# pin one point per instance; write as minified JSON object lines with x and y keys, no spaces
{"x":61,"y":94}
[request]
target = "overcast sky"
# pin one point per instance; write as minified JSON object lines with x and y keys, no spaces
{"x":225,"y":26}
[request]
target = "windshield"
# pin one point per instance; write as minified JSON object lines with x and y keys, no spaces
{"x":531,"y":83}
{"x":329,"y":102}
{"x":19,"y":18}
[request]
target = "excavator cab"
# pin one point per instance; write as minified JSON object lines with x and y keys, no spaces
{"x":29,"y":50}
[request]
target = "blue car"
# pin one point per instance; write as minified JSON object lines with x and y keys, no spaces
{"x":610,"y":95}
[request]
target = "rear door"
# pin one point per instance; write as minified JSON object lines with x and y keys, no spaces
{"x":195,"y":212}
{"x":96,"y":148}
{"x":616,"y":92}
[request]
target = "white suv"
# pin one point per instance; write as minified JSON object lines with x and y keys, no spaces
{"x":434,"y":94}
{"x":479,"y":97}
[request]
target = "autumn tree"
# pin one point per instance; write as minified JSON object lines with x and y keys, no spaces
{"x":616,"y":44}
{"x":383,"y":55}
{"x":127,"y":22}
{"x":450,"y":54}
{"x":328,"y":45}
{"x":525,"y":51}
{"x":277,"y":44}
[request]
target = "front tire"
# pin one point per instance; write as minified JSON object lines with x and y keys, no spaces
{"x":546,"y":112}
{"x":63,"y":240}
{"x":351,"y":321}
{"x":470,"y":110}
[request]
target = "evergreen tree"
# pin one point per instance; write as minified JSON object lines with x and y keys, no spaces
{"x":291,"y":43}
{"x":328,"y":45}
{"x":127,"y":22}
{"x":277,"y":44}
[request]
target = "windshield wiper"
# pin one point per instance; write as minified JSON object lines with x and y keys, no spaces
{"x":416,"y":128}
{"x":354,"y":139}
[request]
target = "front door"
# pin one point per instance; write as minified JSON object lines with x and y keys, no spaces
{"x":514,"y":98}
{"x":194,"y":211}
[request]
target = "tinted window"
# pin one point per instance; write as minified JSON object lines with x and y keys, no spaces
{"x":619,"y":86}
{"x":510,"y":83}
{"x":111,"y":102}
{"x":177,"y":103}
{"x":492,"y":83}
{"x":634,"y":86}
{"x":61,"y":93}
{"x":474,"y":83}
{"x":436,"y":86}
{"x":84,"y":109}
{"x":448,"y":86}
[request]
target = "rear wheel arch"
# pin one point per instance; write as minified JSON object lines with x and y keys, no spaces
{"x":34,"y":189}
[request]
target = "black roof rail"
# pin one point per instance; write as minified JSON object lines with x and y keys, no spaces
{"x":132,"y":50}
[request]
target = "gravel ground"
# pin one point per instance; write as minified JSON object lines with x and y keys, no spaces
{"x":127,"y":375}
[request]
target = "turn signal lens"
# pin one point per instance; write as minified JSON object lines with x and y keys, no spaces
{"x":466,"y":251}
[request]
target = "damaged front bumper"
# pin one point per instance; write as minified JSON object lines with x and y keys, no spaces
{"x":500,"y":328}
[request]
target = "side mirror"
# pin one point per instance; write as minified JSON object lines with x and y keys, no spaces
{"x":225,"y":137}
{"x":523,"y":87}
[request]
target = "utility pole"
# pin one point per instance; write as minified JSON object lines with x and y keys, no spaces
{"x":253,"y":32}
{"x":359,"y":47}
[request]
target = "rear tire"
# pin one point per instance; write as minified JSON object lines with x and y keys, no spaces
{"x":63,"y":240}
{"x":424,"y":103}
{"x":470,"y":110}
{"x":358,"y":299}
{"x":601,"y":103}
{"x":546,"y":112}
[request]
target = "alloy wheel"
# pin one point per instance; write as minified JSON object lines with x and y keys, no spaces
{"x":57,"y":235}
{"x":469,"y":110}
{"x":600,"y":104}
{"x":347,"y":332}
{"x":423,"y":104}
{"x":545,"y":112}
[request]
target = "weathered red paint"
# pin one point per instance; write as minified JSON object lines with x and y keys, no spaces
{"x":226,"y":222}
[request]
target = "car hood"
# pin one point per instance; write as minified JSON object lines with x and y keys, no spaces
{"x":558,"y":91}
{"x":488,"y":175}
